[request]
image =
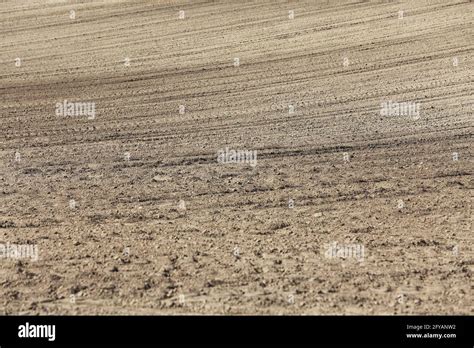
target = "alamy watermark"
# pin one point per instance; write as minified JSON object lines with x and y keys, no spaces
{"x":67,"y":108}
{"x":335,"y":250}
{"x":393,"y":108}
{"x":19,"y":251}
{"x":237,"y":156}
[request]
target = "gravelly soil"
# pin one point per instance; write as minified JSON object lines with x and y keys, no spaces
{"x":133,"y":214}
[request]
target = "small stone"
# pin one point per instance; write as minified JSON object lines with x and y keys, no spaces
{"x":161,"y":178}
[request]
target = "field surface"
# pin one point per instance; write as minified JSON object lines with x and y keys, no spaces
{"x":131,"y":211}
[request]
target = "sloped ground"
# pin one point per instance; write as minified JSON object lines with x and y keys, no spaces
{"x":133,"y":214}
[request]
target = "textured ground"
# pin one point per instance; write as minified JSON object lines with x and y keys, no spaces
{"x":239,"y":246}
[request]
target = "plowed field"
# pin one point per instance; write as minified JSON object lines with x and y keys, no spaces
{"x":131,"y":211}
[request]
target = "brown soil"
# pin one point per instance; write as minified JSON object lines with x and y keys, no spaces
{"x":247,"y":239}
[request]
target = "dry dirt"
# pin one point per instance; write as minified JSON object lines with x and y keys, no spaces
{"x":169,"y":230}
